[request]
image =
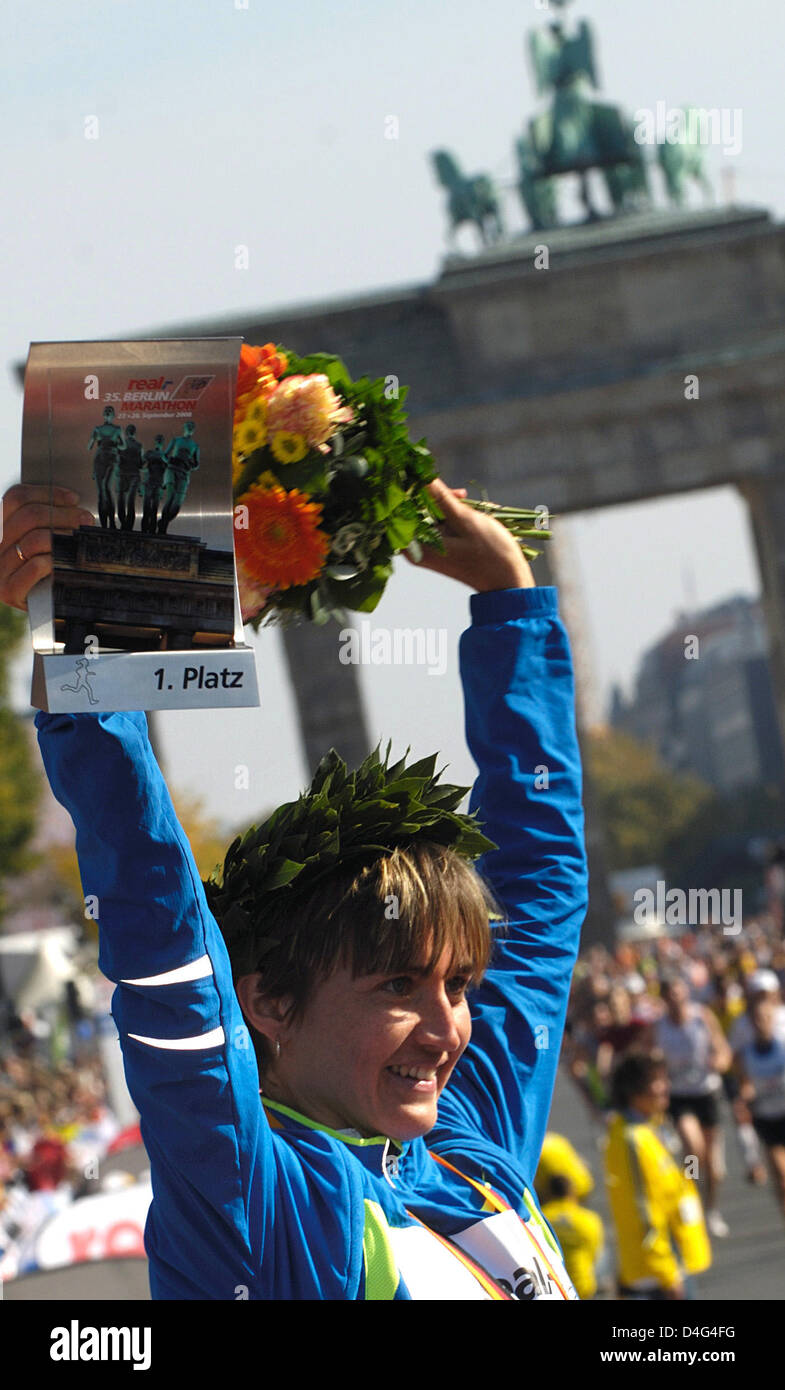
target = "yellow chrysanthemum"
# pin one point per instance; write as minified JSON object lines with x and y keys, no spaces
{"x":288,"y":447}
{"x":257,"y":412}
{"x":250,"y":435}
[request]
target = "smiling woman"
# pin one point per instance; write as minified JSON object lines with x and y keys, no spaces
{"x":387,"y":1047}
{"x":407,"y":1047}
{"x":383,"y":956}
{"x":399,"y":912}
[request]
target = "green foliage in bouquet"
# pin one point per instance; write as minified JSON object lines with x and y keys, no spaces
{"x":372,"y":486}
{"x":370,"y":481}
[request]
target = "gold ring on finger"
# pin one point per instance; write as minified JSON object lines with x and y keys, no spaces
{"x":19,"y":552}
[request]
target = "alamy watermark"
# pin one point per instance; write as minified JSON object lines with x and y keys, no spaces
{"x":77,"y":1343}
{"x":397,"y":646}
{"x":693,"y":125}
{"x":698,"y":907}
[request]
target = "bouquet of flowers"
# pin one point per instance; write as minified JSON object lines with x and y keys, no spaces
{"x":328,"y":487}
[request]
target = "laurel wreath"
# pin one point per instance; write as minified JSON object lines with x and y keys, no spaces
{"x":343,"y":817}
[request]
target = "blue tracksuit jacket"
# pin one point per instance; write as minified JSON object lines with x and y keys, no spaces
{"x":253,"y":1202}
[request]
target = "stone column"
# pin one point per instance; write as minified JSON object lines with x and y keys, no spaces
{"x":328,"y":695}
{"x":600,"y":921}
{"x":765,"y":498}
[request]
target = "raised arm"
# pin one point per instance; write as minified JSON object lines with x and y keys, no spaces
{"x":238,"y":1211}
{"x":189,"y":1064}
{"x":520,"y":725}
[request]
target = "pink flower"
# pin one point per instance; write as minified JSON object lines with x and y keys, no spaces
{"x":253,"y":596}
{"x":306,"y":405}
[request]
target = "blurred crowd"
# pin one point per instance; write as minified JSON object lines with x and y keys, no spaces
{"x":671,"y":1042}
{"x":55,"y":1126}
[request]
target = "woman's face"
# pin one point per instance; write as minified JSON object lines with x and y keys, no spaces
{"x":654,"y":1099}
{"x":763,"y":1015}
{"x":676,"y":996}
{"x":619,"y":1005}
{"x":601,"y":1015}
{"x":348,"y":1062}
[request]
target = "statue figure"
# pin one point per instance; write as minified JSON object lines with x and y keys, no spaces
{"x":152,"y":484}
{"x":129,"y":464}
{"x":109,"y":438}
{"x":683,"y":159}
{"x":182,"y":455}
{"x":470,"y":200}
{"x":577,"y":133}
{"x":628,"y":184}
{"x":537,"y":192}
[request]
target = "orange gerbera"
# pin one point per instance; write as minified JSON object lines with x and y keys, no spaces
{"x":282,"y":544}
{"x":257,"y":374}
{"x":256,"y":362}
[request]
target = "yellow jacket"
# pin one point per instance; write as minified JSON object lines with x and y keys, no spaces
{"x":728,"y":1013}
{"x":560,"y":1159}
{"x":660,"y":1230}
{"x":580,"y":1234}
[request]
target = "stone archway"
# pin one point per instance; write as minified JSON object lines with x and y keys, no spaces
{"x":647,"y":359}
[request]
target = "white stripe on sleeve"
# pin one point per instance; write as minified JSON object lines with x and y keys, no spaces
{"x":215,"y":1038}
{"x":194,"y":970}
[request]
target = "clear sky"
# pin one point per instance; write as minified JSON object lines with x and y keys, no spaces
{"x":221,"y":124}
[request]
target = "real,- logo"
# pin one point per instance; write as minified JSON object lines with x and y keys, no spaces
{"x":153,"y":383}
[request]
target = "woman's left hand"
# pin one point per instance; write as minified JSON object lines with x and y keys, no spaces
{"x":478,"y":550}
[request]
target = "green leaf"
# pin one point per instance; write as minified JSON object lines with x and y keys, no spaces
{"x":400,"y":531}
{"x":367,"y":586}
{"x":308,"y":474}
{"x":393,"y":496}
{"x":370,"y":601}
{"x":283,"y":873}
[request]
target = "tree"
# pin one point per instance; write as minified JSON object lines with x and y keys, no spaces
{"x":645,"y":805}
{"x":718,"y":847}
{"x":20,"y":785}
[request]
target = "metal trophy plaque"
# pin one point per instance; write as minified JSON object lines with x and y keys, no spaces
{"x":142,"y":610}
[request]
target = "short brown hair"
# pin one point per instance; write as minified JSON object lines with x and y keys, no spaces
{"x":401,"y":910}
{"x":634,"y":1074}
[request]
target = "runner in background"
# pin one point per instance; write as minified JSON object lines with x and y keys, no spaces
{"x":728,"y":1003}
{"x":660,"y":1231}
{"x":759,"y":984}
{"x":579,"y":1232}
{"x":560,"y":1158}
{"x":760,"y":1065}
{"x":696,"y":1053}
{"x":582,"y":1054}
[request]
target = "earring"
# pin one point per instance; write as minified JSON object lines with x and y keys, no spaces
{"x":277,"y":1048}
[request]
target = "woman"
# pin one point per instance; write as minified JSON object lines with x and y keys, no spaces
{"x":697,"y":1053}
{"x":326,"y":1188}
{"x":660,"y":1232}
{"x":761,"y":1068}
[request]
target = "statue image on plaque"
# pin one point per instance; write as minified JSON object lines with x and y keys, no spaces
{"x":143,"y":432}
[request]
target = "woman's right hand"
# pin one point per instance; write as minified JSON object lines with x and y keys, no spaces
{"x":30,"y":514}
